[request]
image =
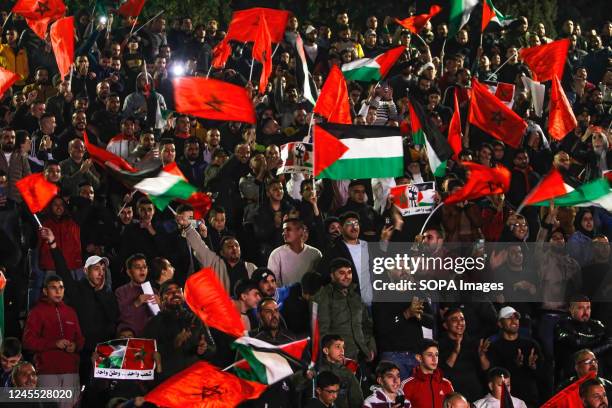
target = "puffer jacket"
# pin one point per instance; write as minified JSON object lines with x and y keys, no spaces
{"x":47,"y":323}
{"x":343,"y":313}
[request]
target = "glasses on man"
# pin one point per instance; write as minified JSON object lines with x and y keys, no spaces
{"x":588,"y":361}
{"x":352,"y":223}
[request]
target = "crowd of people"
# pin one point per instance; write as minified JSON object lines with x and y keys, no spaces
{"x":279,"y":242}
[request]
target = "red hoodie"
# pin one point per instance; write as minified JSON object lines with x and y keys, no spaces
{"x":426,"y":390}
{"x":47,"y":323}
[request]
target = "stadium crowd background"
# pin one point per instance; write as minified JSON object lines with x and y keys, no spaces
{"x":76,"y":282}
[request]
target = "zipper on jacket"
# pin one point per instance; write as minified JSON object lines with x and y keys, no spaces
{"x":59,"y":319}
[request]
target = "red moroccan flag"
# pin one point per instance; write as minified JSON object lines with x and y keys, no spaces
{"x":262,"y":52}
{"x":569,"y":397}
{"x":212,"y":99}
{"x":482,"y":181}
{"x":62,"y":40}
{"x":245,"y":24}
{"x":7,"y":79}
{"x":416,"y":23}
{"x":201,"y":204}
{"x":103,"y":157}
{"x":454,"y":130}
{"x":221,"y":53}
{"x":203,"y":385}
{"x":208,"y":299}
{"x":131,"y":8}
{"x":36,"y":191}
{"x":492,"y":116}
{"x":333,"y":102}
{"x":546,"y":61}
{"x":39,"y":13}
{"x":561,"y":119}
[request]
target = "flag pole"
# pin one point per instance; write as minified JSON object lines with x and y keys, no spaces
{"x":275,"y":48}
{"x":481,"y":34}
{"x":430,"y":215}
{"x":37,"y":221}
{"x":8,"y":17}
{"x":251,"y":72}
{"x":209,"y":69}
{"x":70,"y":78}
{"x":502,"y":65}
{"x":442,"y":54}
{"x":148,"y":21}
{"x":132,"y":30}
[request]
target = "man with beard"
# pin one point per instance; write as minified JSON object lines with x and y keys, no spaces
{"x":192,"y":164}
{"x":182,"y":339}
{"x":105,"y":122}
{"x":522,"y":357}
{"x":43,"y":87}
{"x":28,"y":114}
{"x":229,"y":267}
{"x":593,"y":394}
{"x":77,"y":170}
{"x":144,"y":103}
{"x":585,"y":363}
{"x":75,"y":131}
{"x":95,"y":306}
{"x":578,"y":331}
{"x":13,"y":162}
{"x":103,"y":90}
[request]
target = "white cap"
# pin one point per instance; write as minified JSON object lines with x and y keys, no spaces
{"x":95,"y":259}
{"x":507,"y":312}
{"x":309,"y":29}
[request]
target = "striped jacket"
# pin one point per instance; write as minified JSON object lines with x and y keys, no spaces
{"x":380,"y":400}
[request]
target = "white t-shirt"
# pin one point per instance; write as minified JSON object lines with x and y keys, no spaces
{"x":491,"y":402}
{"x":289,"y":267}
{"x":359,"y":253}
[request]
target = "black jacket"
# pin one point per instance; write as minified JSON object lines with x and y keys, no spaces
{"x":97,"y":309}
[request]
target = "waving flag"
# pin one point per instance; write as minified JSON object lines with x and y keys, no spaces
{"x":546,"y":61}
{"x":569,"y":397}
{"x":493,"y":117}
{"x":352,"y":152}
{"x":203,"y":385}
{"x":62,"y":41}
{"x":131,"y":8}
{"x":490,"y":13}
{"x":7,"y":79}
{"x":105,"y":158}
{"x":595,"y":193}
{"x":416,"y":23}
{"x":460,"y":11}
{"x":482,"y":181}
{"x":245,"y":24}
{"x":221,"y":53}
{"x":372,"y":69}
{"x":561,"y":119}
{"x":212,"y":99}
{"x":262,"y":52}
{"x":268,"y":363}
{"x":454,"y":130}
{"x":208,"y":299}
{"x":333,"y":102}
{"x":39,"y":13}
{"x":36,"y":191}
{"x":550,"y":187}
{"x":301,"y":72}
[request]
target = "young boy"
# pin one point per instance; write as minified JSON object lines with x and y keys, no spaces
{"x":10,"y":356}
{"x":333,"y":361}
{"x":389,"y":394}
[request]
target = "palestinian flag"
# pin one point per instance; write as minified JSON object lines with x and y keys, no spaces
{"x":595,"y":193}
{"x":268,"y":363}
{"x":162,"y":185}
{"x":343,"y":152}
{"x":425,"y":133}
{"x":506,"y":399}
{"x":302,"y":74}
{"x":490,"y":13}
{"x":372,"y":69}
{"x":551,"y":186}
{"x":460,"y":11}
